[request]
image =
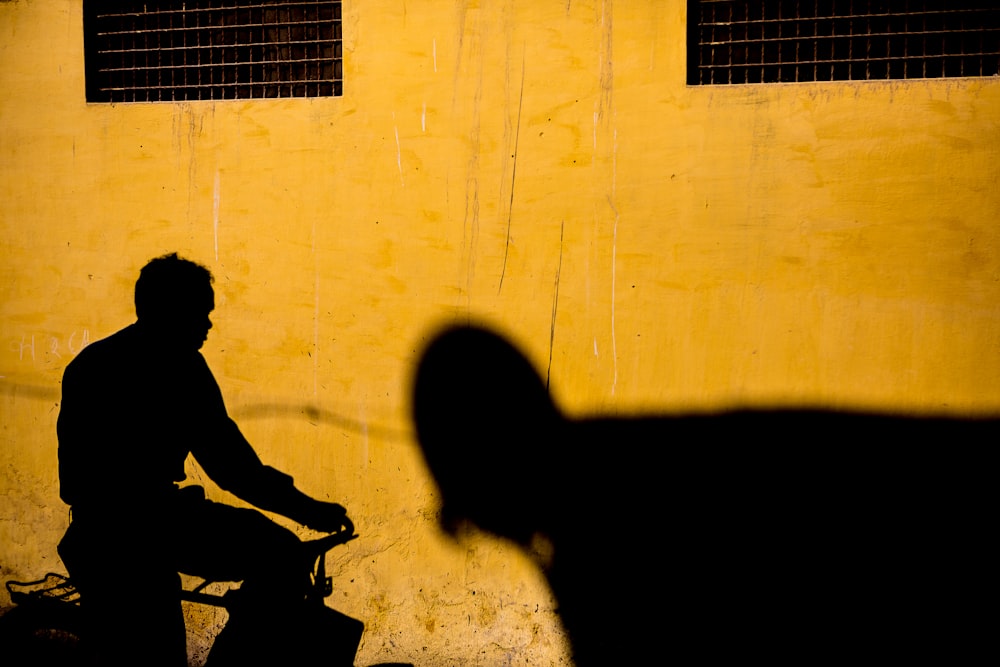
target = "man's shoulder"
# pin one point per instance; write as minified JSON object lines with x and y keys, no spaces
{"x":120,"y":344}
{"x":132,"y":346}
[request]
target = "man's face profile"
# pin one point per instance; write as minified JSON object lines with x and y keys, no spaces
{"x":195,"y":324}
{"x":185,"y":325}
{"x":174,"y":298}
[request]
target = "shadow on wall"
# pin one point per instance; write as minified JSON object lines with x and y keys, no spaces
{"x":134,"y":406}
{"x":786,"y":535}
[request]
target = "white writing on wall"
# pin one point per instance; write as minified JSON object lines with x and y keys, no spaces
{"x":47,"y":348}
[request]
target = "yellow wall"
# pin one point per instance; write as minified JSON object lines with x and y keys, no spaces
{"x":538,"y":164}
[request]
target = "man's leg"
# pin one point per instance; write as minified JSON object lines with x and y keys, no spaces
{"x":226,"y":543}
{"x":129,"y":595}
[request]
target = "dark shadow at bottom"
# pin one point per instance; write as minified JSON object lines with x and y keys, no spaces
{"x":784,"y":535}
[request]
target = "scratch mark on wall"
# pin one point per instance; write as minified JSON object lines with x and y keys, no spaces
{"x":363,"y":428}
{"x":191,"y":158}
{"x":315,"y":355}
{"x":423,"y":118}
{"x":614,"y":344}
{"x":364,"y":437}
{"x":606,"y":67}
{"x":614,"y":257}
{"x":597,"y":119}
{"x":470,"y":221}
{"x":434,"y":54}
{"x":555,"y":304}
{"x":215,"y":213}
{"x":513,"y":173}
{"x":604,"y":119}
{"x":399,"y":153}
{"x":614,"y":162}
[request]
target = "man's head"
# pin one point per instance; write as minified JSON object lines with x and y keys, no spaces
{"x":173,"y":298}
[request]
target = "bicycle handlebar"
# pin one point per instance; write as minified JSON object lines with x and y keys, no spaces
{"x":321,"y":545}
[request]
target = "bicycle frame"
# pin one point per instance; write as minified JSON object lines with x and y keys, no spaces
{"x":58,"y":589}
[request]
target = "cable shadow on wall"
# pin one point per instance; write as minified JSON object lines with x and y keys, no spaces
{"x":786,"y":534}
{"x":320,"y":416}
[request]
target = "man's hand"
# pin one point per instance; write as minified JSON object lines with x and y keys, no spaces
{"x":326,"y":517}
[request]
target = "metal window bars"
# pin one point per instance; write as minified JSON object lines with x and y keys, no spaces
{"x":769,"y":41}
{"x":175,"y":50}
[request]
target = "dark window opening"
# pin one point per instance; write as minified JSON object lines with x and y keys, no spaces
{"x":175,"y":50}
{"x":771,"y":41}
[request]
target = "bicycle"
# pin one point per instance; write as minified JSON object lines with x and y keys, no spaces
{"x":45,"y":625}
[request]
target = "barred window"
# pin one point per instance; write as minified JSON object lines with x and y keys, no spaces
{"x":174,"y":50}
{"x":768,"y":41}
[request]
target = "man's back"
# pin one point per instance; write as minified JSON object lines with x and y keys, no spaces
{"x":129,"y":416}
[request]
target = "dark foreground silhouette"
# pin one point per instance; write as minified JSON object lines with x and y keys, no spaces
{"x":785,"y":535}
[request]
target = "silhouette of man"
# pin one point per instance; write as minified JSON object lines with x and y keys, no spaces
{"x":134,"y":406}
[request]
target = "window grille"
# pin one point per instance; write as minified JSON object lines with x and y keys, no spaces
{"x":174,"y":50}
{"x":768,"y":41}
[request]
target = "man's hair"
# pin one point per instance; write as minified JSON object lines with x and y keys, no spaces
{"x":168,"y":284}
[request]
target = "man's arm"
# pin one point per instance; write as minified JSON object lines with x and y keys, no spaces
{"x":231,"y":462}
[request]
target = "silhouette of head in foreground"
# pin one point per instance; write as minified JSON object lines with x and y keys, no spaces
{"x":786,"y":534}
{"x":480,"y":406}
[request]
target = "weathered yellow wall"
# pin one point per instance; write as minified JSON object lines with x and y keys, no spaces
{"x":538,"y":164}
